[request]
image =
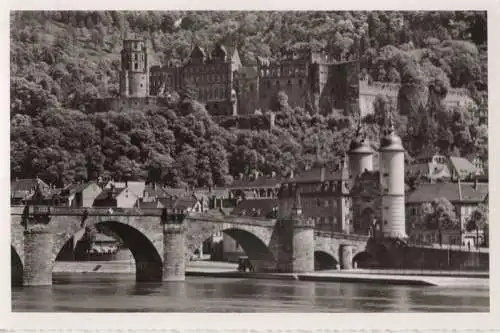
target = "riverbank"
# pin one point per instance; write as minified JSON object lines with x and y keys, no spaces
{"x":229,"y":270}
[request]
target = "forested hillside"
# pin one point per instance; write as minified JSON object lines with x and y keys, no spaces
{"x":59,"y":60}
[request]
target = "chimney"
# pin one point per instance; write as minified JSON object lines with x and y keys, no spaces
{"x":322,"y":175}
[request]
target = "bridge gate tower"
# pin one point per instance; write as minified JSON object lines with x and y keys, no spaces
{"x":392,"y":155}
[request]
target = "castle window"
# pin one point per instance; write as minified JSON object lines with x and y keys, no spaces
{"x":135,"y":56}
{"x":300,"y":82}
{"x":136,"y":65}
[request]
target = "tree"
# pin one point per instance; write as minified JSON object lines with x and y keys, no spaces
{"x":479,"y":221}
{"x":440,"y":215}
{"x":280,"y":101}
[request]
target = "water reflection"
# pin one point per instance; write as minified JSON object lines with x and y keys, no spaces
{"x":120,"y":293}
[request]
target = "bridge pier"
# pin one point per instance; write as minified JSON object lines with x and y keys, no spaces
{"x":345,"y":256}
{"x":302,"y":246}
{"x":38,"y":247}
{"x":173,"y":252}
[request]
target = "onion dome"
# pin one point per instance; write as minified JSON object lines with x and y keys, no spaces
{"x":390,"y":140}
{"x":360,"y":144}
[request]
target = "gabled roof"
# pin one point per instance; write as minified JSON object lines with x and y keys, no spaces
{"x":27,"y":184}
{"x":451,"y":191}
{"x":462,"y":166}
{"x":430,"y":170}
{"x":75,"y":188}
{"x":109,"y":193}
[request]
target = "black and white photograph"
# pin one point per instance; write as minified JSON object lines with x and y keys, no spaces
{"x":271,"y":161}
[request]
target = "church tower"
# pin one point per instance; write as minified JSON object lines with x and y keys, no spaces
{"x":392,"y":158}
{"x":134,"y":76}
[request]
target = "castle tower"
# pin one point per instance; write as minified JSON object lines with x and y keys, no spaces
{"x":134,"y":76}
{"x":392,"y":182}
{"x":360,"y":155}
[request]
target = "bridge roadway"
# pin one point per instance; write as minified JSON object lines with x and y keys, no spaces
{"x":162,"y":244}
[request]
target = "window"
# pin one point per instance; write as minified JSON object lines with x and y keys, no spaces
{"x":269,"y":84}
{"x":277,"y":83}
{"x":300,"y":82}
{"x":136,"y":65}
{"x":289,"y":83}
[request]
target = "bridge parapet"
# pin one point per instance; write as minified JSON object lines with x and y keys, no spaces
{"x":230,"y":219}
{"x":341,"y":236}
{"x":91,"y":211}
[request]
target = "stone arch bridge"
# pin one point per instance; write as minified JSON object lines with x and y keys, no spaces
{"x":161,"y":243}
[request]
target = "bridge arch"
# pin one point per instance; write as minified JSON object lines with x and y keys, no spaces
{"x":145,"y":247}
{"x":324,"y":260}
{"x":254,"y":240}
{"x":16,"y":264}
{"x":363,"y":260}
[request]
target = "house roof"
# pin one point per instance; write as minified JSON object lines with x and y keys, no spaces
{"x":151,"y":204}
{"x":256,"y":207}
{"x":314,"y":175}
{"x":430,"y":170}
{"x":260,"y":182}
{"x":454,"y":192}
{"x":75,"y":188}
{"x":462,"y":166}
{"x":182,"y":203}
{"x":27,"y":184}
{"x":109,"y":193}
{"x":156,"y":192}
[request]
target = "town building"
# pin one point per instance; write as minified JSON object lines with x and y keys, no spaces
{"x":325,"y":196}
{"x":22,"y":190}
{"x":116,"y":197}
{"x":435,"y":167}
{"x":80,"y":195}
{"x":465,"y":197}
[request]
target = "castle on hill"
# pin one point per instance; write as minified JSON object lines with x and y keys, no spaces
{"x":311,"y":80}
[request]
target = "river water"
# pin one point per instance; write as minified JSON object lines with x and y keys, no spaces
{"x":98,"y":292}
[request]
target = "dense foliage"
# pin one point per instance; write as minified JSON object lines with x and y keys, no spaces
{"x":61,"y":60}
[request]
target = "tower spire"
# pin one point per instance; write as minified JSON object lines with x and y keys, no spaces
{"x":389,"y":122}
{"x":297,"y":203}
